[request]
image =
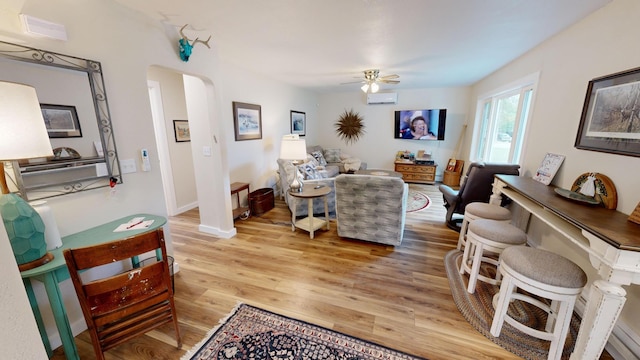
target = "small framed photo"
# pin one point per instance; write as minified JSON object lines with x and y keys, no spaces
{"x":247,"y":121}
{"x":181,"y":130}
{"x":298,"y":122}
{"x":610,"y":118}
{"x":61,"y":121}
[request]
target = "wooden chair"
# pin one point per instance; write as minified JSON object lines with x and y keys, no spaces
{"x":120,"y":307}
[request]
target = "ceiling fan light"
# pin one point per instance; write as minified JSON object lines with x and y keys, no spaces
{"x":374,"y":88}
{"x":365,"y":87}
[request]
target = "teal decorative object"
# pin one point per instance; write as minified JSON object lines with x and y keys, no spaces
{"x":24,"y":227}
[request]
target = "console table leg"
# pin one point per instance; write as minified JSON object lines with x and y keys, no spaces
{"x":293,"y":214}
{"x":604,"y":305}
{"x":310,"y":215}
{"x":60,"y":316}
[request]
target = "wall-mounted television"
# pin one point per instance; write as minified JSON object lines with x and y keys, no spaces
{"x":428,"y":124}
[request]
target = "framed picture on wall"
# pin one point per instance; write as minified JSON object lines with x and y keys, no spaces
{"x":298,"y":122}
{"x":181,"y":130}
{"x":247,"y":121}
{"x":61,"y":121}
{"x":610,"y":120}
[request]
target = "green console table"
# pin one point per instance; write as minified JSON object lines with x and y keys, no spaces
{"x":55,"y":271}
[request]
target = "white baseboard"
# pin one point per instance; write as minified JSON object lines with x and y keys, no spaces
{"x":187,"y":207}
{"x":217,"y":232}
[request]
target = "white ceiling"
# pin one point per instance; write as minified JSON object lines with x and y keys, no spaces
{"x":322,"y":43}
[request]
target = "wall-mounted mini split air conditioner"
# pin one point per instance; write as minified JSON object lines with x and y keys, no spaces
{"x":382,"y":98}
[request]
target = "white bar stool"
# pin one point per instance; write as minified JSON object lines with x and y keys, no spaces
{"x":480,"y":210}
{"x":546,"y":275}
{"x":491,"y":236}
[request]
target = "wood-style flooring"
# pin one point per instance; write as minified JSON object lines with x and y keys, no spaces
{"x":397,"y":297}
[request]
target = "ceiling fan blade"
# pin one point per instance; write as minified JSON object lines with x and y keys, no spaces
{"x":389,"y":81}
{"x":353,"y":82}
{"x":392,"y":76}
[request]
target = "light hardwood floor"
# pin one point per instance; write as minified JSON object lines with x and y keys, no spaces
{"x":398,"y":297}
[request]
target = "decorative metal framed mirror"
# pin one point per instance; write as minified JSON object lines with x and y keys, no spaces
{"x":76,"y":113}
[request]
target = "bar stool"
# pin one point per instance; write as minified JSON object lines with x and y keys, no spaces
{"x":546,"y":275}
{"x":480,"y":210}
{"x":492,"y":236}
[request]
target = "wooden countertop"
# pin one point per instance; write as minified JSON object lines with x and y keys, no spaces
{"x":611,"y":226}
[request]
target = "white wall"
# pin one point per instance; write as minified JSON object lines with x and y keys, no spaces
{"x":377,"y":147}
{"x":254,"y":161}
{"x":126,"y":45}
{"x":602,"y":44}
{"x":180,"y":154}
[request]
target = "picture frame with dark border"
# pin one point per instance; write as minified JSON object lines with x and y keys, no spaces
{"x":610,"y":120}
{"x":181,"y":130}
{"x":247,"y":121}
{"x":298,"y":122}
{"x":61,"y":121}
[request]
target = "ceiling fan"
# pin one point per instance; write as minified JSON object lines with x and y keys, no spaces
{"x":372,"y":78}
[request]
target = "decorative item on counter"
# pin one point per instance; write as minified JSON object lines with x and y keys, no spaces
{"x":592,"y":188}
{"x":65,"y":153}
{"x":349,"y":126}
{"x":549,"y":167}
{"x":635,"y":215}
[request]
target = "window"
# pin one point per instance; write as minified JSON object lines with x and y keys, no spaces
{"x":501,"y":123}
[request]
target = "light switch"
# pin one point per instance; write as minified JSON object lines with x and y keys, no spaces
{"x":128,"y":166}
{"x":206,"y":150}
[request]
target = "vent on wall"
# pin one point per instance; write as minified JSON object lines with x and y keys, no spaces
{"x":39,"y":27}
{"x":382,"y":98}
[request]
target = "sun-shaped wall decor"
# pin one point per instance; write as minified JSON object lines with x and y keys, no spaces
{"x":349,"y":126}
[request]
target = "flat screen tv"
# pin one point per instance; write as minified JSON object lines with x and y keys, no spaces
{"x":425,"y":124}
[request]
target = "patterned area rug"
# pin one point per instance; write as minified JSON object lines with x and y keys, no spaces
{"x":253,"y":333}
{"x":417,"y":201}
{"x":478,"y":311}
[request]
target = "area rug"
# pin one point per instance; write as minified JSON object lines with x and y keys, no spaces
{"x":253,"y":333}
{"x":417,"y":201}
{"x":478,"y":311}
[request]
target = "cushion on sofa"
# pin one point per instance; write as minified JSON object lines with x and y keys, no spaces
{"x":332,"y":155}
{"x":319,"y":157}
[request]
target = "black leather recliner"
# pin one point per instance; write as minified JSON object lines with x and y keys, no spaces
{"x":477,"y":186}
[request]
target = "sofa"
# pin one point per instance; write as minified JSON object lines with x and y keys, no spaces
{"x":323,"y":176}
{"x":316,"y":170}
{"x":336,"y":157}
{"x":371,"y":208}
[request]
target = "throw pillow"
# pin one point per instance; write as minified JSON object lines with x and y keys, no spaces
{"x":309,"y":171}
{"x":317,"y":155}
{"x":312,"y":159}
{"x":332,"y":155}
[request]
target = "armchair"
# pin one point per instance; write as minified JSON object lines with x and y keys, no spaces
{"x":477,"y":186}
{"x":371,"y":208}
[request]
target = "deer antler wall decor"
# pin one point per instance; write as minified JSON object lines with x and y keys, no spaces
{"x":186,"y":47}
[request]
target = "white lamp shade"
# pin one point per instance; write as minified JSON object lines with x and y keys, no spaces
{"x":23,"y":134}
{"x":293,"y":149}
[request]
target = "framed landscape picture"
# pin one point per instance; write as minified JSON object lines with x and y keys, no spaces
{"x":298,"y":122}
{"x":247,"y":121}
{"x":610,"y":120}
{"x":61,"y":121}
{"x":181,"y":130}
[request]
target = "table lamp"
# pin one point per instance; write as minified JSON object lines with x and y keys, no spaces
{"x":22,"y":136}
{"x":295,"y":149}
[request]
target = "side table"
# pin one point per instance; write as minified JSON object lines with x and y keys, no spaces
{"x":310,"y":223}
{"x":236,"y":187}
